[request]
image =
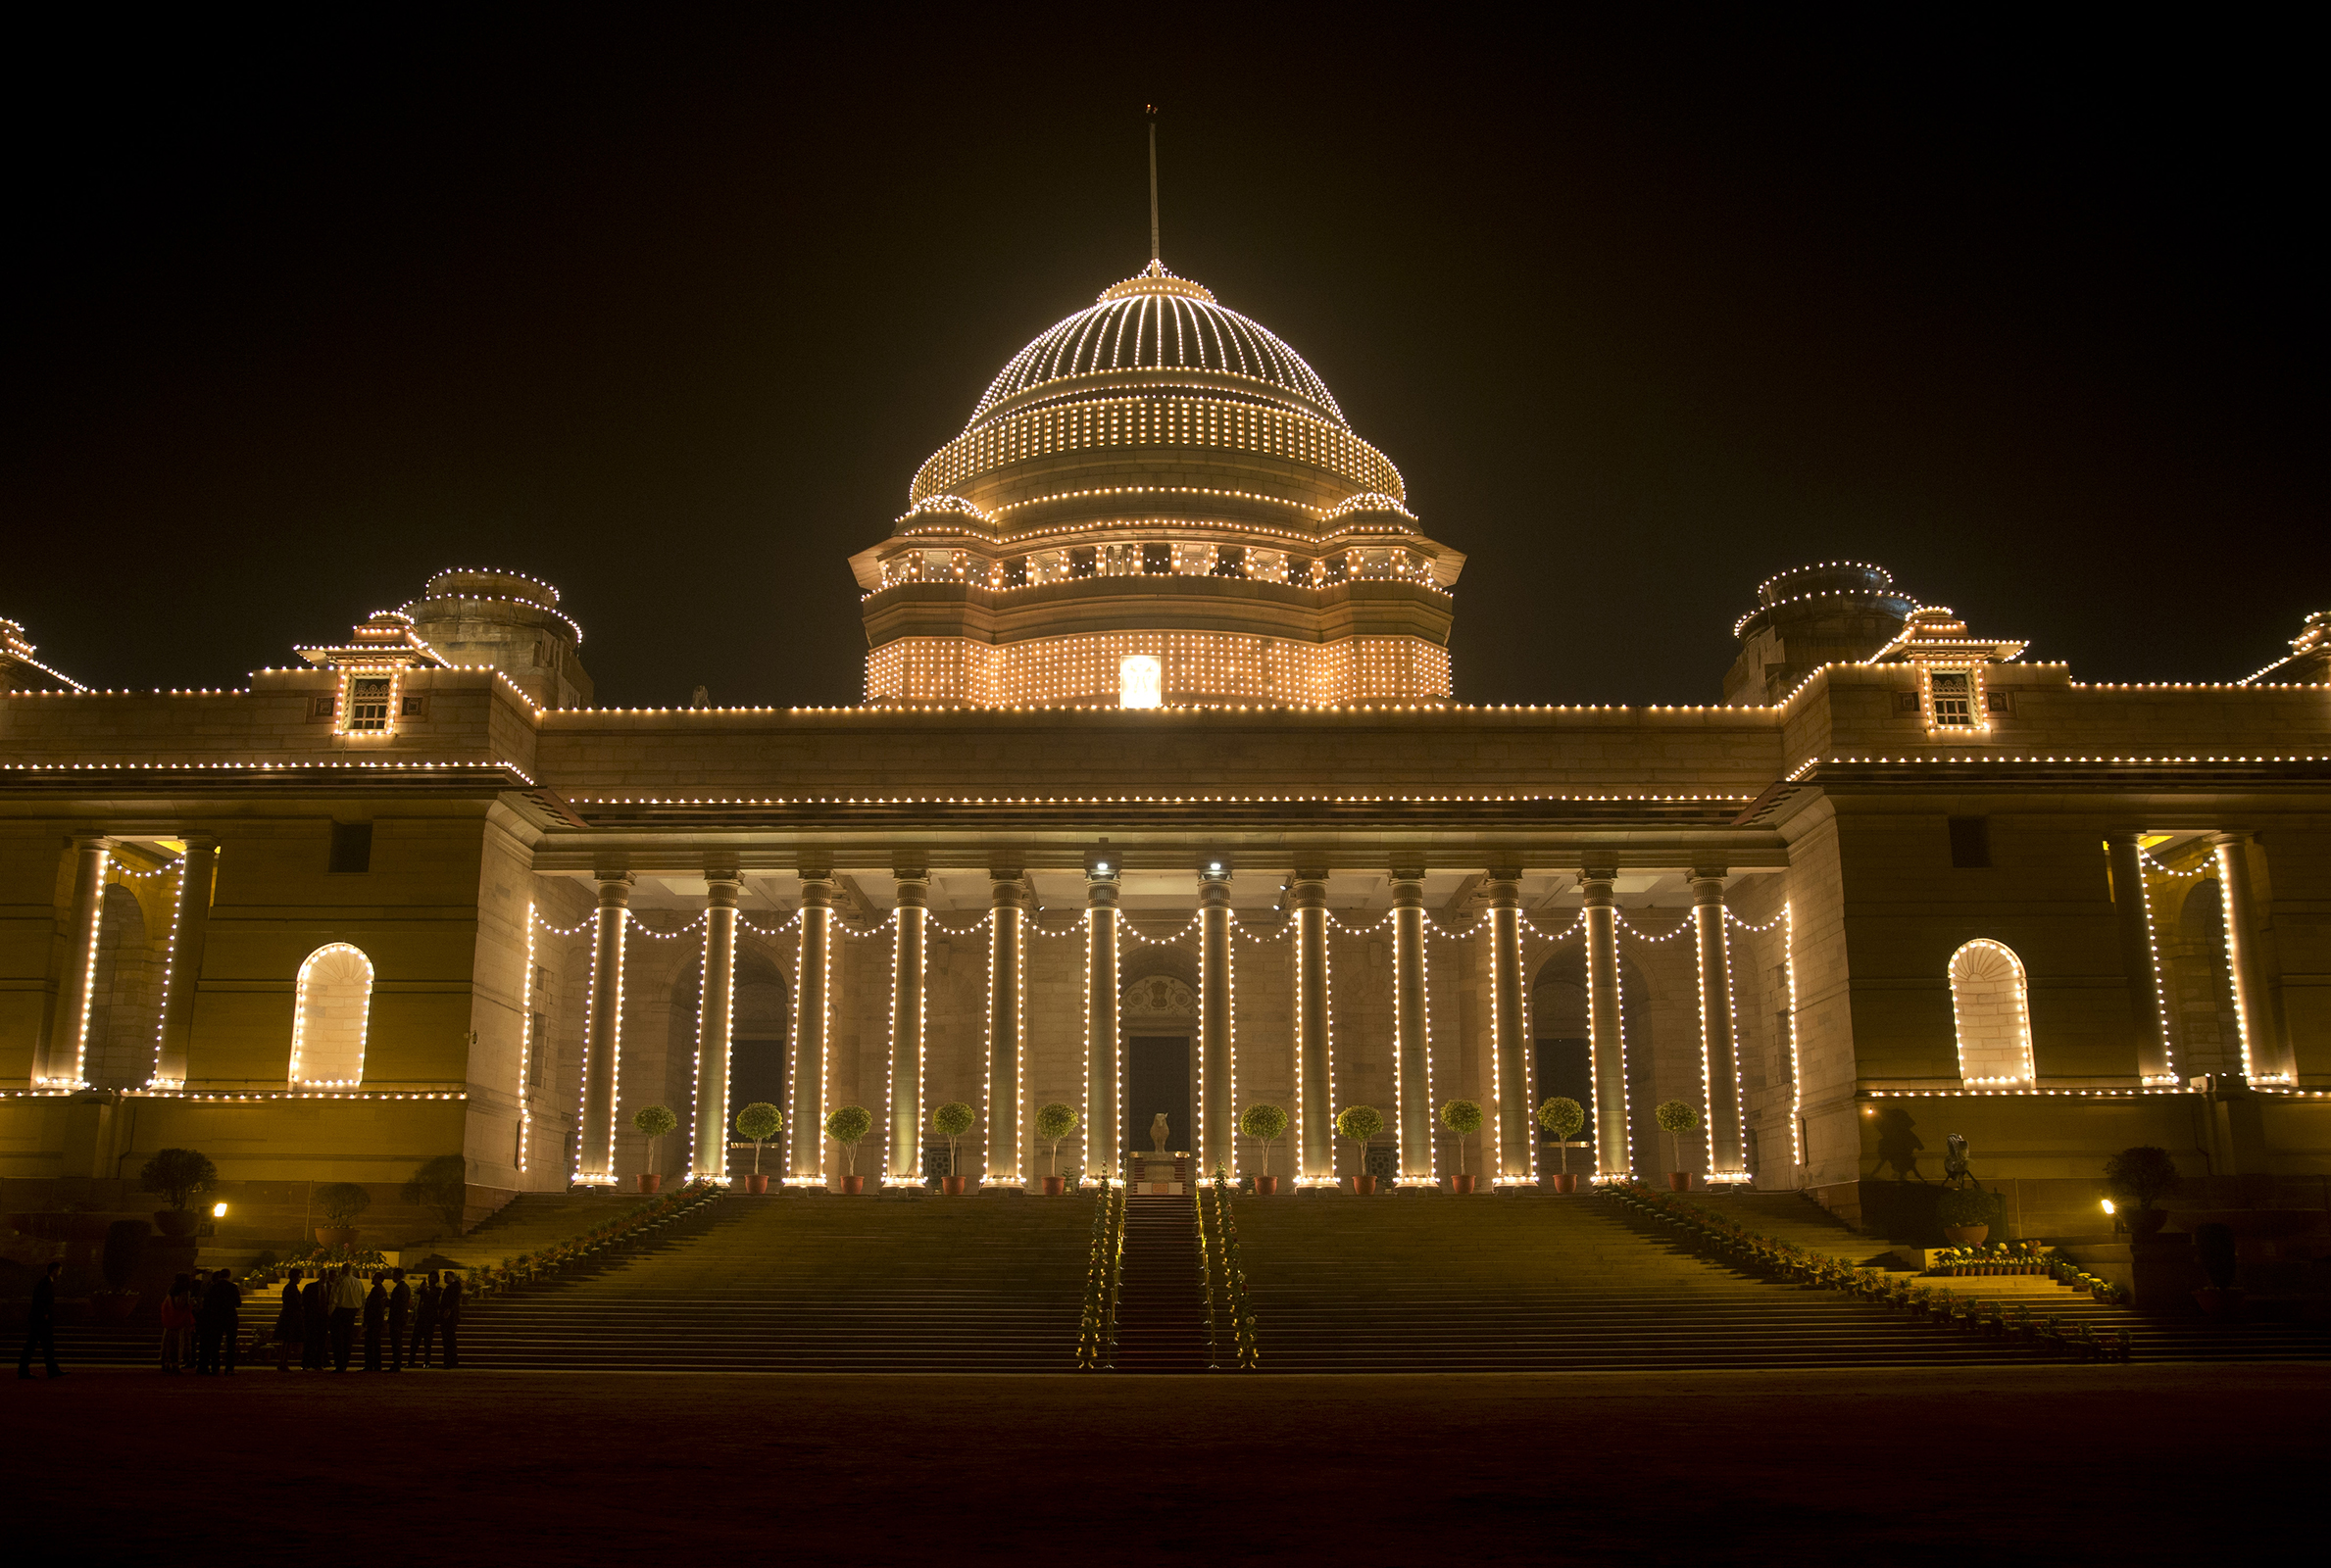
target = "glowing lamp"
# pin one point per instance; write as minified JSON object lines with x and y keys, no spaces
{"x":2108,"y":1208}
{"x":1140,"y":681}
{"x":218,"y":1211}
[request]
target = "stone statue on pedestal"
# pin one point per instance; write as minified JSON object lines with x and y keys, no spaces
{"x":1159,"y":1131}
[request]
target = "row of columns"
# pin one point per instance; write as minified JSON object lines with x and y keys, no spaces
{"x":2266,"y":1051}
{"x":1004,"y":1096}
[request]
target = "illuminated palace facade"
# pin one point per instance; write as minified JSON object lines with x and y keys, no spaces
{"x":1157,"y":803}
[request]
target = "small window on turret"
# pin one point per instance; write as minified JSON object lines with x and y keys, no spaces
{"x":1953,"y":692}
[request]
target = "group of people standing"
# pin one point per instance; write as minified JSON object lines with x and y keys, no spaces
{"x":203,"y":1314}
{"x":320,"y":1319}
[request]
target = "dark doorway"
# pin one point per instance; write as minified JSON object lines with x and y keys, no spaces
{"x":1158,"y":1078}
{"x":756,"y":1033}
{"x":1564,"y":1067}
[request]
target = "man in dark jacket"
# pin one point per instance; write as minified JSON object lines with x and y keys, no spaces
{"x":376,"y":1320}
{"x":449,"y":1318}
{"x":316,"y":1323}
{"x":424,"y":1319}
{"x":400,"y":1308}
{"x":217,"y":1324}
{"x":40,"y":1329}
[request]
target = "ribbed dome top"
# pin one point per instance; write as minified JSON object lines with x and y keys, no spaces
{"x":1155,"y":322}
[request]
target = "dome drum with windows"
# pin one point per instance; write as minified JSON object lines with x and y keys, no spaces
{"x":1157,"y":495}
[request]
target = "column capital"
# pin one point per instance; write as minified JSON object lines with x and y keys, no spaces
{"x":721,"y":889}
{"x":1309,"y":888}
{"x":1408,"y":890}
{"x":614,"y":889}
{"x":1708,"y":886}
{"x":1595,"y":883}
{"x":1101,"y":892}
{"x":1007,"y":888}
{"x":1214,"y":891}
{"x":1505,"y":892}
{"x":817,"y":891}
{"x":914,"y":887}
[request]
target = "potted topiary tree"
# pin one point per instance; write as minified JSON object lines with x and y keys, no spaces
{"x":1676,"y":1118}
{"x":1464,"y":1118}
{"x":2138,"y":1176}
{"x":847,"y":1126}
{"x":759,"y":1121}
{"x":654,"y":1121}
{"x":1563,"y":1116}
{"x":1360,"y":1123}
{"x":179,"y":1174}
{"x":1264,"y":1123}
{"x":1055,"y":1122}
{"x":442,"y":1183}
{"x":341,"y":1203}
{"x":1966,"y":1213}
{"x":951,"y":1121}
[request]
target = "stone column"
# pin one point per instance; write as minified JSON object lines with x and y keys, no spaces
{"x":2137,"y":955}
{"x":1718,"y":1059}
{"x":2266,"y":1056}
{"x":1411,"y":1048}
{"x":1218,"y":1066}
{"x":192,"y":930}
{"x":910,"y":943}
{"x":1612,"y":1157}
{"x":812,"y":1016}
{"x":1104,"y":1115}
{"x":1005,"y":978}
{"x":602,"y":1042}
{"x":58,"y":1061}
{"x":1315,"y":1083}
{"x":715,"y":1019}
{"x":1512,"y":1114}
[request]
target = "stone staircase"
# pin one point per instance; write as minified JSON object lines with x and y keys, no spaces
{"x":1541,"y":1282}
{"x":1160,"y":1314}
{"x":799,"y":1283}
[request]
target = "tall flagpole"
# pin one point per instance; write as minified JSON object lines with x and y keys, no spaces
{"x":1153,"y":183}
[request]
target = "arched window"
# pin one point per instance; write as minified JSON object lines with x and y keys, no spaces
{"x":1994,"y":1016}
{"x":327,"y":1026}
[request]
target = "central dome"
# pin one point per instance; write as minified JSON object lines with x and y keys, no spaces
{"x":1156,"y":478}
{"x":1155,"y":322}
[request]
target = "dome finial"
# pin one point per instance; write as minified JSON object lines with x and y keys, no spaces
{"x":1155,"y":254}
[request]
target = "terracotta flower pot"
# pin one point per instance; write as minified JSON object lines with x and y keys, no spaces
{"x":853,"y":1186}
{"x":1564,"y":1182}
{"x":1679,"y":1181}
{"x":335,"y":1236}
{"x":1460,"y":1185}
{"x":175,"y":1223}
{"x":1965,"y":1235}
{"x":1054,"y":1185}
{"x":650,"y":1181}
{"x":1364,"y":1186}
{"x":952,"y":1186}
{"x":1266,"y":1186}
{"x":755,"y":1183}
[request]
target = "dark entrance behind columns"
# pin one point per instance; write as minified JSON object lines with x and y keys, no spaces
{"x":1564,"y":1067}
{"x":1158,"y":1078}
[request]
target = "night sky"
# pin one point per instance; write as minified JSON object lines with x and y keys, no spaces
{"x":667,"y":310}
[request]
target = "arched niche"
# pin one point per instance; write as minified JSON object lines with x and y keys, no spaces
{"x":1991,"y":1008}
{"x":332,"y":1011}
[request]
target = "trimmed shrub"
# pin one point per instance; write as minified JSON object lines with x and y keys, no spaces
{"x":179,"y":1174}
{"x":341,"y":1203}
{"x":759,"y":1121}
{"x":442,"y":1184}
{"x":847,"y":1126}
{"x":1055,"y":1122}
{"x":1464,"y":1118}
{"x":1563,"y":1116}
{"x":951,"y":1121}
{"x":1264,"y":1124}
{"x":2141,"y":1174}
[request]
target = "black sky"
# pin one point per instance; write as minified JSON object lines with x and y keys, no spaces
{"x":666,"y":308}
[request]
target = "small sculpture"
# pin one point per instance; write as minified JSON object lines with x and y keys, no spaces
{"x":1955,"y":1171}
{"x":1159,"y":1129}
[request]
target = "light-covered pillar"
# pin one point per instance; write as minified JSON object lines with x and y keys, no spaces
{"x":197,"y":873}
{"x":715,"y":1020}
{"x":59,"y":1062}
{"x":1006,"y":979}
{"x":1411,"y":1048}
{"x":1719,"y":1063}
{"x":813,"y":1015}
{"x":1513,"y":1115}
{"x":603,"y":1040}
{"x":2138,"y":958}
{"x":1217,"y":1067}
{"x":2265,"y":1055}
{"x":1103,"y":1117}
{"x":1614,"y":1158}
{"x":1314,"y":1082}
{"x":910,"y":943}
